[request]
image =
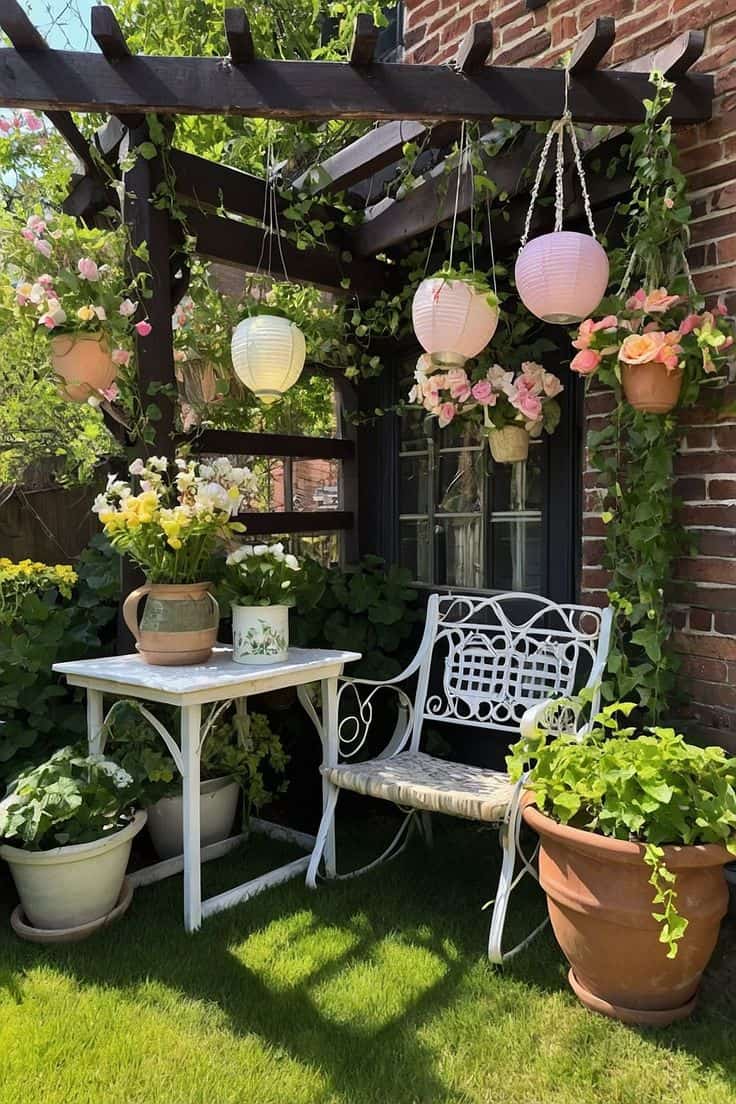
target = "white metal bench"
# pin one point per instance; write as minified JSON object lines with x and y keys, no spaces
{"x":496,"y":663}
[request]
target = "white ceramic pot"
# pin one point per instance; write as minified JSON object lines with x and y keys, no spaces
{"x":218,"y":801}
{"x":260,"y":634}
{"x":268,"y":355}
{"x":69,"y":886}
{"x":452,"y":320}
{"x":561,"y":277}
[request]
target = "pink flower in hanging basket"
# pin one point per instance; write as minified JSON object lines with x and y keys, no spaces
{"x":641,"y":348}
{"x":446,"y":414}
{"x":585,"y":362}
{"x":659,"y":300}
{"x":143,"y":329}
{"x":483,"y":393}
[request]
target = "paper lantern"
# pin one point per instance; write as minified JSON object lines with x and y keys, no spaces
{"x":452,"y":320}
{"x":562,"y":277}
{"x":268,"y":355}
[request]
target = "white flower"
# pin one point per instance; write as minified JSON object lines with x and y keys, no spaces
{"x":260,"y":549}
{"x":158,"y":463}
{"x":292,"y":562}
{"x":286,"y":584}
{"x":100,"y":503}
{"x":136,"y":468}
{"x":211,"y":496}
{"x":237,"y":556}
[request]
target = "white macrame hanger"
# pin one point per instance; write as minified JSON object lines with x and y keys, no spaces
{"x":558,"y":129}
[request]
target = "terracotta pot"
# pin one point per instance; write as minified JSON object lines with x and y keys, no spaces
{"x":509,"y":445}
{"x":179,"y":623}
{"x":452,"y":320}
{"x":84,"y":362}
{"x":650,"y":387}
{"x":600,"y":906}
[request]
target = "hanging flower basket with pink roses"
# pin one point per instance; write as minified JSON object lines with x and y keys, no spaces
{"x":509,"y":408}
{"x":659,"y":346}
{"x":72,"y":285}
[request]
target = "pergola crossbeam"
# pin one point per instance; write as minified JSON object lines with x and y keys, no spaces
{"x":107,"y":34}
{"x":63,"y":80}
{"x":239,"y":37}
{"x":673,"y":60}
{"x":364,"y":41}
{"x":475,"y":48}
{"x":593,"y":45}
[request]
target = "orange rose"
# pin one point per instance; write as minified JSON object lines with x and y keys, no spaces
{"x":659,"y":300}
{"x":641,"y":348}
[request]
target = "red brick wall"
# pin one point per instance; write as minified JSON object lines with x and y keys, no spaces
{"x":705,"y":613}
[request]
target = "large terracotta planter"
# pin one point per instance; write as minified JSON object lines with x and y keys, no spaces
{"x":650,"y":387}
{"x":179,"y":623}
{"x":508,"y":445}
{"x":84,"y":363}
{"x":561,"y":277}
{"x":452,"y":320}
{"x":600,"y":906}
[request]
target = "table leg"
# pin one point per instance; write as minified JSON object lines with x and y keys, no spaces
{"x":191,"y":720}
{"x":330,"y":749}
{"x":95,"y":721}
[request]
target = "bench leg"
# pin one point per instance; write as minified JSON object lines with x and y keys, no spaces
{"x":325,"y":834}
{"x":509,"y":840}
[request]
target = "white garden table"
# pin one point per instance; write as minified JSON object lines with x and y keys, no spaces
{"x":217,"y":683}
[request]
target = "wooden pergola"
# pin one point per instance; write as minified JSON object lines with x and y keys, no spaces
{"x":419,"y":103}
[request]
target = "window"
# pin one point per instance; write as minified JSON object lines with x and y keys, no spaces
{"x":463,"y":521}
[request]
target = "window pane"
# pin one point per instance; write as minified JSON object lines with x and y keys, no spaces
{"x":517,"y":554}
{"x":315,"y":485}
{"x":414,"y":432}
{"x":459,"y":552}
{"x":415,"y":550}
{"x":519,"y":486}
{"x":413,"y":485}
{"x":460,"y":481}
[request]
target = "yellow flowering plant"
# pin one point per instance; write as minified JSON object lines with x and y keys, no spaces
{"x":17,"y":580}
{"x":182,"y":511}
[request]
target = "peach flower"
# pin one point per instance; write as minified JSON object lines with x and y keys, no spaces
{"x":585,"y":362}
{"x":659,"y":300}
{"x":641,"y":348}
{"x":446,"y":414}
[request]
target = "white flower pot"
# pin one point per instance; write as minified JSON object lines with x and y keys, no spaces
{"x":260,"y":634}
{"x":218,"y":802}
{"x":70,"y":886}
{"x":452,"y":320}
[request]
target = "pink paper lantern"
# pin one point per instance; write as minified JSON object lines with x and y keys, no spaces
{"x":452,"y":320}
{"x":562,"y":277}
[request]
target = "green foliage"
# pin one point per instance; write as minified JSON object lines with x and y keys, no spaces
{"x":241,"y":747}
{"x":260,"y":575}
{"x":369,"y":610}
{"x":38,"y":712}
{"x":71,"y":798}
{"x":651,"y":788}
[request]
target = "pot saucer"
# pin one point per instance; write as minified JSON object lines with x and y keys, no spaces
{"x":22,"y":928}
{"x":659,"y":1017}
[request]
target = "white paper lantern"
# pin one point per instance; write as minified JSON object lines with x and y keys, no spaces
{"x":562,"y":277}
{"x":268,"y":355}
{"x":452,"y":320}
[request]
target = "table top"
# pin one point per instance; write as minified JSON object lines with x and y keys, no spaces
{"x":218,"y":672}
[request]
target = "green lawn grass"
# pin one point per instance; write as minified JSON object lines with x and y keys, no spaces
{"x":373,"y":991}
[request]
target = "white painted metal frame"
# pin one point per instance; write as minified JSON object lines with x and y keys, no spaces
{"x":500,"y":670}
{"x":216,"y":684}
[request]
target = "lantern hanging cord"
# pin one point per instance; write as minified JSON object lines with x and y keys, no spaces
{"x":557,"y":130}
{"x":460,"y":163}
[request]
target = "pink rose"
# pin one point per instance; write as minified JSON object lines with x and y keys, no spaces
{"x":528,"y":384}
{"x":688,"y":324}
{"x":529,"y":404}
{"x":143,"y":328}
{"x":659,"y":300}
{"x":32,"y":121}
{"x":552,"y":385}
{"x":36,"y":223}
{"x":42,"y":247}
{"x":669,"y":202}
{"x":127,"y":307}
{"x":120,"y":356}
{"x":637,"y":300}
{"x":110,"y":393}
{"x":459,"y":384}
{"x":483,"y":393}
{"x":446,"y":414}
{"x":585,"y":333}
{"x":720,"y":307}
{"x":88,"y":270}
{"x":5,"y":126}
{"x":585,"y":362}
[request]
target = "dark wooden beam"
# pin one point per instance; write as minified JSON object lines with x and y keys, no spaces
{"x":372,"y":152}
{"x":475,"y":48}
{"x":239,"y":37}
{"x":592,"y":46}
{"x":365,"y":37}
{"x":287,"y":521}
{"x":233,"y":443}
{"x":107,"y":33}
{"x":237,"y":243}
{"x":673,"y":60}
{"x":86,"y":198}
{"x":73,"y":81}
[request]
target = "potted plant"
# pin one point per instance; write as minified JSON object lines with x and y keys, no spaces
{"x":72,"y":284}
{"x":455,"y":314}
{"x":651,"y":344}
{"x":171,"y":528}
{"x":635,"y":830}
{"x":234,"y":753}
{"x":259,"y":582}
{"x":71,"y":822}
{"x":509,"y":408}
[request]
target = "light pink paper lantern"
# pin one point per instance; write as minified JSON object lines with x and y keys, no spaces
{"x":452,"y":320}
{"x":562,"y":277}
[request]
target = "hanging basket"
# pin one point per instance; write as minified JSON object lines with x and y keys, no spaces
{"x":561,"y":277}
{"x":83,"y":364}
{"x":650,"y":387}
{"x":509,"y":445}
{"x":268,"y":355}
{"x":452,"y":320}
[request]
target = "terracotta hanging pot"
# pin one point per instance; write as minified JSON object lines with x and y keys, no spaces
{"x":600,"y":905}
{"x":452,"y":320}
{"x":508,"y":445}
{"x":562,"y":277}
{"x":650,"y":387}
{"x":84,"y":363}
{"x":179,"y":623}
